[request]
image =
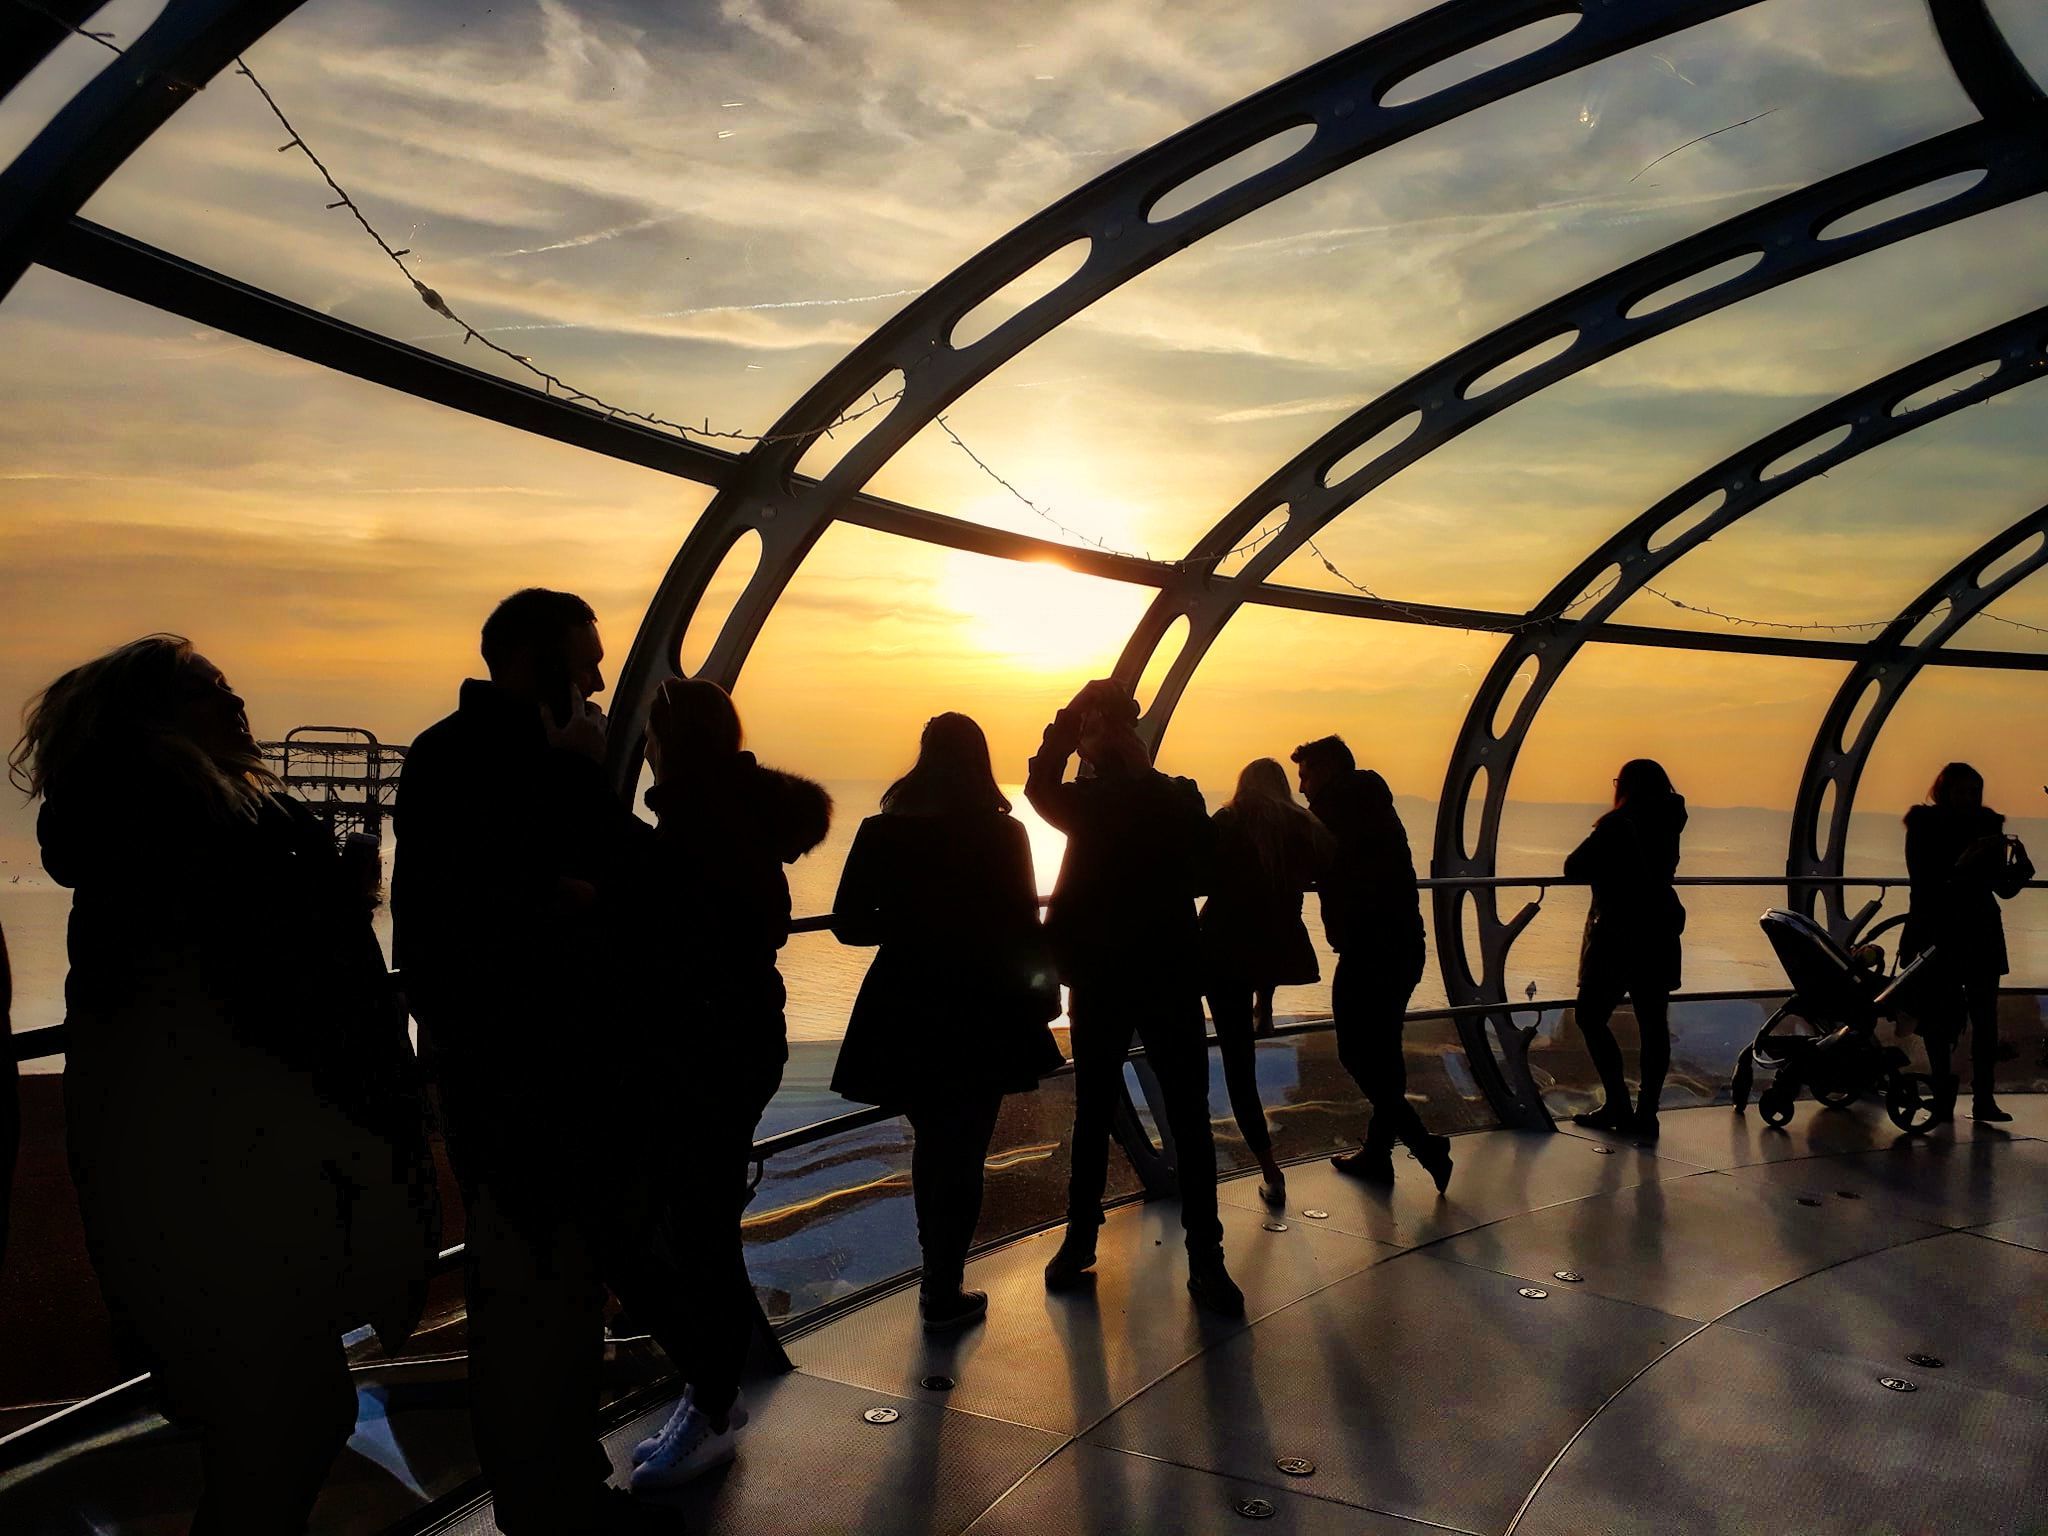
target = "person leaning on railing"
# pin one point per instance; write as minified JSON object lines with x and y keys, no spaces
{"x":244,"y":1131}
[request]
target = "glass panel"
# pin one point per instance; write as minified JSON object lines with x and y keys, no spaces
{"x":2025,"y":26}
{"x":1947,"y":714}
{"x":333,"y":545}
{"x":680,"y":210}
{"x":68,"y":68}
{"x":1145,"y":418}
{"x":1854,"y":546}
{"x":1733,"y":731}
{"x":1494,"y":518}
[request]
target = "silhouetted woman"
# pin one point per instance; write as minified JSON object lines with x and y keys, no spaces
{"x":1632,"y":945}
{"x":718,"y":905}
{"x":1955,"y":851}
{"x":244,"y":1134}
{"x":1268,"y":850}
{"x":953,"y":1012}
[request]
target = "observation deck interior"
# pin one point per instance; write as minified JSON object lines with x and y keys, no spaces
{"x":1718,"y":1363}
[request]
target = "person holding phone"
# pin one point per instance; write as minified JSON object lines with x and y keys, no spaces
{"x":1123,"y":929}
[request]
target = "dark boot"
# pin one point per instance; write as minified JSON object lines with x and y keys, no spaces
{"x":1069,"y":1268}
{"x":1435,"y":1156}
{"x":945,"y":1311}
{"x":1211,"y":1286}
{"x":1985,"y":1107}
{"x":1369,"y":1165}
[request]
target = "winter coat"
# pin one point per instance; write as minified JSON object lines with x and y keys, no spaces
{"x":1952,"y":856}
{"x":245,"y":1128}
{"x":1123,"y":909}
{"x":1252,"y":930}
{"x":717,"y":901}
{"x":497,"y":959}
{"x":1371,"y":907}
{"x":1632,"y":930}
{"x":959,"y":997}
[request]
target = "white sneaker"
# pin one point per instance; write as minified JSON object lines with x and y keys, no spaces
{"x":689,"y":1447}
{"x":647,"y":1447}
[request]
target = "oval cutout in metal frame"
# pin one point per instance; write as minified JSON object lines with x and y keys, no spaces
{"x":721,"y":594}
{"x":1047,"y":275}
{"x":1212,"y":181}
{"x":1480,"y":58}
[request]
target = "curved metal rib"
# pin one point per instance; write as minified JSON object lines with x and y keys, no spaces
{"x":1997,"y":84}
{"x":1619,"y":568}
{"x":85,"y":143}
{"x":1341,"y":97}
{"x":27,"y":36}
{"x":1861,"y":706}
{"x":1785,"y":237}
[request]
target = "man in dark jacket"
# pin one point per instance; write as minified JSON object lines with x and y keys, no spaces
{"x":1372,"y":915}
{"x":1122,"y":926}
{"x":508,"y":846}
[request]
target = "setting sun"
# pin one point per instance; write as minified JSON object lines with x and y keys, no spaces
{"x":1038,"y":618}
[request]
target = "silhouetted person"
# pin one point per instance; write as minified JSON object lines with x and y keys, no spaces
{"x":1632,"y":947}
{"x":1268,"y":851}
{"x":1955,"y":853}
{"x":245,"y":1133}
{"x":510,"y":854}
{"x":1123,"y":929}
{"x":714,"y":913}
{"x":1372,"y":916}
{"x":952,"y":1014}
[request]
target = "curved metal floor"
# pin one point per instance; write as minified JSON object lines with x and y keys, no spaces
{"x":1716,"y":1368}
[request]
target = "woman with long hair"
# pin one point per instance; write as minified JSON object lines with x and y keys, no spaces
{"x":1268,"y":850}
{"x":1955,"y":850}
{"x":715,"y":913}
{"x":1632,"y":946}
{"x":244,"y":1130}
{"x":953,"y":1013}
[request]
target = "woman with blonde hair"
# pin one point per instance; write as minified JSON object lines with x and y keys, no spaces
{"x":1268,"y":850}
{"x":244,"y":1128}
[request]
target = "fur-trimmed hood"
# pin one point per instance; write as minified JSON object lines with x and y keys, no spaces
{"x":792,"y":814}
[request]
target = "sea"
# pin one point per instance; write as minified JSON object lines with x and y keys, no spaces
{"x":1724,"y":950}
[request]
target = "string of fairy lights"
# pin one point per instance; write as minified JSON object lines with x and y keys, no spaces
{"x":553,"y":385}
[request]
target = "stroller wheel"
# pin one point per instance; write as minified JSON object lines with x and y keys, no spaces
{"x":1836,"y":1098}
{"x":1913,"y":1102}
{"x":1775,"y":1107}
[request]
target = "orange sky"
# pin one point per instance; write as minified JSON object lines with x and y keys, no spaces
{"x":703,"y":213}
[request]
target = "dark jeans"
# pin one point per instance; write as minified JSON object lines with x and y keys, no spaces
{"x":1104,"y":1019}
{"x":699,"y":1234}
{"x":1973,"y":1002}
{"x":555,"y":1216}
{"x":948,"y":1160}
{"x":1367,"y":1009}
{"x":1230,"y":1006}
{"x":1596,"y":1005}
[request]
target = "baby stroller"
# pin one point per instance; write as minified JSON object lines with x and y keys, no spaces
{"x":1841,"y":994}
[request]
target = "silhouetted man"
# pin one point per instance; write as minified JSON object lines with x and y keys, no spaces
{"x":1372,"y":915}
{"x":1123,"y":927}
{"x":507,"y":845}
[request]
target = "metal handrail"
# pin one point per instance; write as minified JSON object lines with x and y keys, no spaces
{"x":38,"y":1044}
